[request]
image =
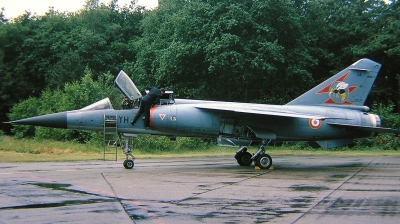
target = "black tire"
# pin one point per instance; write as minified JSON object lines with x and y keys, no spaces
{"x":128,"y":164}
{"x":264,"y":161}
{"x":244,"y":159}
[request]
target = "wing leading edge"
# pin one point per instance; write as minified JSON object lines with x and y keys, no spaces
{"x":260,"y":112}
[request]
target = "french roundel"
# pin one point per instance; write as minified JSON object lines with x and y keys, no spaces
{"x":315,"y":123}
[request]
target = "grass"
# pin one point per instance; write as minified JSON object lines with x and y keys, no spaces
{"x":30,"y":150}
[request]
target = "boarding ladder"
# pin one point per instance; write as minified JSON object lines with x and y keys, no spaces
{"x":111,"y":138}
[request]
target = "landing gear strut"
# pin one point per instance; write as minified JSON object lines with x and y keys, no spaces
{"x":127,"y":148}
{"x":262,"y":160}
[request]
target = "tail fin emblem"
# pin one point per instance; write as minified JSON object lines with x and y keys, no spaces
{"x":338,"y":91}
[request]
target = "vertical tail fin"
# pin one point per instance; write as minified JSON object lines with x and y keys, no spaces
{"x":348,"y":87}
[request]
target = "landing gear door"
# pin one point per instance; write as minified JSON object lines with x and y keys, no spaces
{"x":126,"y":86}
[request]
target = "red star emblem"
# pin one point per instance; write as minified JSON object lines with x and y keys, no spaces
{"x":338,"y":91}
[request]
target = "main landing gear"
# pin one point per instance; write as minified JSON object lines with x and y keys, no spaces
{"x":127,"y":147}
{"x":262,"y":160}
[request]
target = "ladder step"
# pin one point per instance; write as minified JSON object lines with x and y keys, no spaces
{"x":111,"y":140}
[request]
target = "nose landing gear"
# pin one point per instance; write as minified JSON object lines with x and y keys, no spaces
{"x":127,"y":148}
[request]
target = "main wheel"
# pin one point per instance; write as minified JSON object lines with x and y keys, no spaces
{"x":244,"y":159}
{"x":264,"y":161}
{"x":128,"y":164}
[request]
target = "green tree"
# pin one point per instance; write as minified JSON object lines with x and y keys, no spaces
{"x":252,"y":51}
{"x":26,"y":108}
{"x":16,"y":64}
{"x":2,"y":17}
{"x":73,"y":96}
{"x":382,"y":44}
{"x":39,"y":52}
{"x":242,"y":49}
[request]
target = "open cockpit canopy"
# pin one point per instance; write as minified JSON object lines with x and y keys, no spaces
{"x":126,"y":86}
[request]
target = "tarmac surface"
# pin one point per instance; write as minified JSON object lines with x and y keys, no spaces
{"x":305,"y":189}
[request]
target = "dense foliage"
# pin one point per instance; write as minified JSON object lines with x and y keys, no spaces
{"x":233,"y":50}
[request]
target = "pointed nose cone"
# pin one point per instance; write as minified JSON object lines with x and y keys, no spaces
{"x":57,"y":120}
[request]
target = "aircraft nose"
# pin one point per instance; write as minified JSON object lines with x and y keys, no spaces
{"x":57,"y":120}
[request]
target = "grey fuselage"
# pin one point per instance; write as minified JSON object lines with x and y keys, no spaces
{"x":185,"y":119}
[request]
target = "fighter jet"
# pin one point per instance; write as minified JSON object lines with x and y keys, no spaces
{"x":331,"y":114}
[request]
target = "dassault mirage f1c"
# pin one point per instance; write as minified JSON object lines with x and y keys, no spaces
{"x":331,"y":114}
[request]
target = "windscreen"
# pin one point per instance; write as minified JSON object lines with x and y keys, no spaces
{"x":99,"y":105}
{"x":126,"y":86}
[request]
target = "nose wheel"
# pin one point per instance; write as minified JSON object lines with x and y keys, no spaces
{"x":127,"y":148}
{"x":129,"y":164}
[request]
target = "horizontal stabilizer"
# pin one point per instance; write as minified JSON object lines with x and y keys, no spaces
{"x":366,"y":128}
